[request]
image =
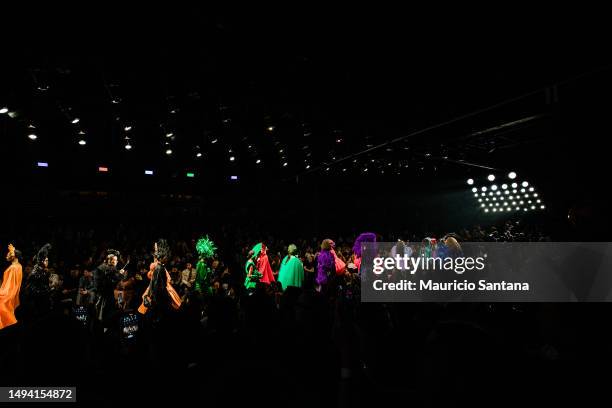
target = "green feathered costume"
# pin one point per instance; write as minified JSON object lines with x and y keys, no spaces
{"x":206,"y":250}
{"x":251,"y":282}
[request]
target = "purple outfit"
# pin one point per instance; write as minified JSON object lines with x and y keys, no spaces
{"x":326,"y":266}
{"x":365,"y":237}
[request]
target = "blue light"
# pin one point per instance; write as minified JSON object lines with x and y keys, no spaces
{"x":42,"y":164}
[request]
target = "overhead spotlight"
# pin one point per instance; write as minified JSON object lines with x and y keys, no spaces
{"x":522,"y":190}
{"x":82,"y":142}
{"x":198,"y":154}
{"x":538,"y":201}
{"x":42,"y":164}
{"x":475,"y":194}
{"x":517,"y":208}
{"x":498,"y":193}
{"x":482,"y":195}
{"x":483,"y":205}
{"x":514,"y":185}
{"x":514,"y":203}
{"x":524,"y":184}
{"x":285,"y":165}
{"x":491,"y":177}
{"x":127,"y":128}
{"x":483,"y":189}
{"x":169,"y":152}
{"x":213,"y":141}
{"x":190,"y":175}
{"x":480,"y":200}
{"x":270,"y":128}
{"x":493,"y":187}
{"x":148,"y":172}
{"x":486,"y":210}
{"x":530,"y":188}
{"x":525,"y":209}
{"x":128,"y":147}
{"x":81,"y":132}
{"x":258,"y":161}
{"x":3,"y":110}
{"x":103,"y":169}
{"x":542,"y":207}
{"x":504,"y":186}
{"x":13,"y":114}
{"x":508,"y":209}
{"x":533,"y":207}
{"x":232,"y":158}
{"x":308,"y":166}
{"x":234,"y":178}
{"x":32,"y":136}
{"x":75,"y":121}
{"x":506,"y":192}
{"x":495,"y":210}
{"x":512,"y":175}
{"x":170,"y":134}
{"x":474,"y":190}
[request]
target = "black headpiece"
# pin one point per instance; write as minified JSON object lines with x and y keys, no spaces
{"x":112,"y":252}
{"x":162,"y":251}
{"x":43,"y":253}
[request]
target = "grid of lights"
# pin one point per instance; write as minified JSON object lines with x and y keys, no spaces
{"x":507,"y":197}
{"x":170,"y":133}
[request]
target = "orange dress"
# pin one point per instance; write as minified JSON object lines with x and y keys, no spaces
{"x":9,"y":295}
{"x":176,"y":299}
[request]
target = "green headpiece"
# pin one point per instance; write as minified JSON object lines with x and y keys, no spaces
{"x":206,"y":248}
{"x":256,"y":250}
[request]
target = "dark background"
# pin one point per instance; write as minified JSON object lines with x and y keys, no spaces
{"x":438,"y":93}
{"x":422,"y":99}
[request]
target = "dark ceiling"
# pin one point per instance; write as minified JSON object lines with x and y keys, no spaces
{"x":365,"y":94}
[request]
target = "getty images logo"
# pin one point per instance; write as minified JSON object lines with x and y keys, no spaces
{"x":413,"y":264}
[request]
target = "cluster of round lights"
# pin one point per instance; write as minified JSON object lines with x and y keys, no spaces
{"x":506,"y":197}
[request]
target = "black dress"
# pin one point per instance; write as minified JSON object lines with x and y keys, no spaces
{"x":37,"y":292}
{"x":106,"y":278}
